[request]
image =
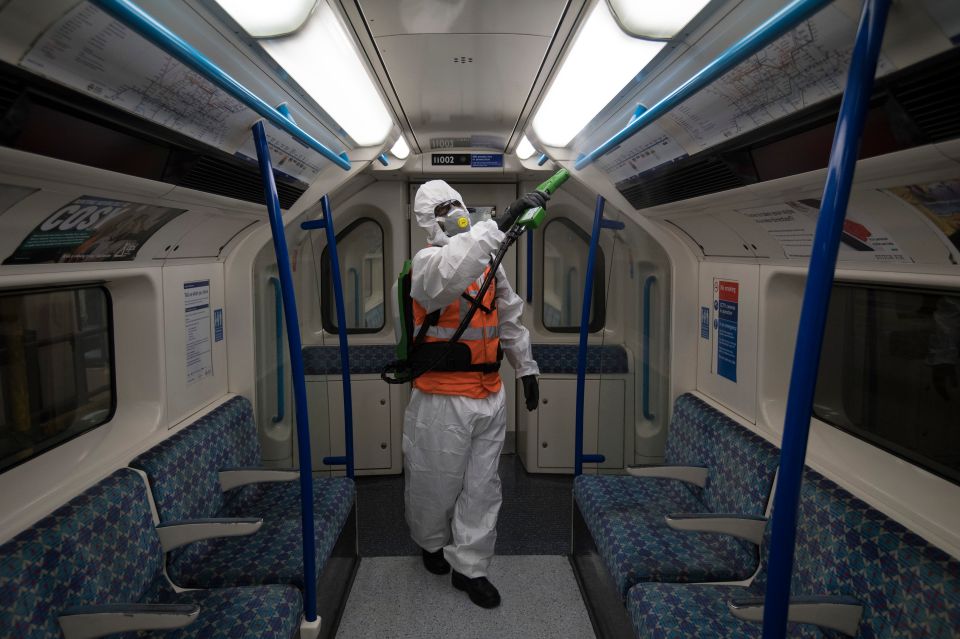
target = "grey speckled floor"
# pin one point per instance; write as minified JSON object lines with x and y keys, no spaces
{"x":396,"y":598}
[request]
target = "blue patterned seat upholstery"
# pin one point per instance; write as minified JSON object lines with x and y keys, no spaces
{"x":183,"y":472}
{"x":102,"y":548}
{"x":844,"y":547}
{"x":364,"y":359}
{"x":625,"y":514}
{"x":562,"y":359}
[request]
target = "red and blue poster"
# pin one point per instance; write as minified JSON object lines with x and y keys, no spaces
{"x":726,"y":303}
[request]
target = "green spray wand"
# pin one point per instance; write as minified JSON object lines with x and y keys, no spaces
{"x":528,"y":220}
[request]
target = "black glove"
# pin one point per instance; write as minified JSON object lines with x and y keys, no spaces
{"x":531,"y":200}
{"x":531,"y":391}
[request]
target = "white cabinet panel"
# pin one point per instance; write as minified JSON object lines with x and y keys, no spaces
{"x":371,"y":422}
{"x":556,"y":422}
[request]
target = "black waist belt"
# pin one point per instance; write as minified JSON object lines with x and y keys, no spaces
{"x":450,"y":357}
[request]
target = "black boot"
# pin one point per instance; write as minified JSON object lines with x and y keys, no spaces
{"x":481,"y":591}
{"x":434,"y":562}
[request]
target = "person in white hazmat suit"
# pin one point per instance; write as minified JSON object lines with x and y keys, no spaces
{"x":454,"y":426}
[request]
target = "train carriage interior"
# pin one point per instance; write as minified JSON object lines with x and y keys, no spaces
{"x":741,"y":295}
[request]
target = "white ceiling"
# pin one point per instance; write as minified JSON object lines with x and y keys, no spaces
{"x":462,"y":68}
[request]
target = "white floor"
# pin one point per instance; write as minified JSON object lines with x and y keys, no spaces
{"x":395,"y":597}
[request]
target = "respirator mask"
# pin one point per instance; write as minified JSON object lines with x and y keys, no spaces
{"x":453,"y":218}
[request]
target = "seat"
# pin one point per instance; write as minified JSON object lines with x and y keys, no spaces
{"x":99,"y":554}
{"x":626,"y":514}
{"x":185,"y":473}
{"x":846,"y":552}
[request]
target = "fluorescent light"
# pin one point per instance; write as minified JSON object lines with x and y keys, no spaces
{"x":602,"y":60}
{"x":400,"y":149}
{"x":282,"y":16}
{"x":655,"y":18}
{"x":322,"y":59}
{"x":524,"y":149}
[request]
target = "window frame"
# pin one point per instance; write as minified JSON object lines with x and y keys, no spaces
{"x":109,"y":326}
{"x":911,"y":456}
{"x":327,"y":311}
{"x":599,"y":301}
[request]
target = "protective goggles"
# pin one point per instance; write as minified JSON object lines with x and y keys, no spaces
{"x":442,"y":209}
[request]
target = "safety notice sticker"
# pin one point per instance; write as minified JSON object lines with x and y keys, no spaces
{"x":196,"y":303}
{"x":726,"y":303}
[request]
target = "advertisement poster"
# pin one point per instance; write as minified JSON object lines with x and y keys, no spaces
{"x":196,"y":303}
{"x":92,"y":229}
{"x":793,"y":225}
{"x":939,"y":201}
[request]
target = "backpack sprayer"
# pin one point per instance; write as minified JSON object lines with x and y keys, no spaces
{"x":406,"y":368}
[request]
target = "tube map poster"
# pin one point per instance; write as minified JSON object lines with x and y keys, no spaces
{"x":92,"y":229}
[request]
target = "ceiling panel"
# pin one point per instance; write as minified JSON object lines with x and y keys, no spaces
{"x":397,"y":17}
{"x":462,"y":84}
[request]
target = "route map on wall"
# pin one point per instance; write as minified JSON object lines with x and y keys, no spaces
{"x":89,"y":51}
{"x":804,"y":67}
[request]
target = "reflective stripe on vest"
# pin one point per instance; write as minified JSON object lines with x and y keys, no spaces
{"x":482,"y":336}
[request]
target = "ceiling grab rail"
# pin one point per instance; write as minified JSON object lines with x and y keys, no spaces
{"x":326,"y":223}
{"x":296,"y":370}
{"x":813,"y":314}
{"x":137,"y":19}
{"x":581,"y":458}
{"x":781,"y":22}
{"x":278,"y":304}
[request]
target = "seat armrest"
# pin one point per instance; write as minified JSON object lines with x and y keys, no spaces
{"x":178,"y":533}
{"x":836,"y":613}
{"x":747,"y":527}
{"x":690,"y":474}
{"x":233,"y":477}
{"x":88,"y":622}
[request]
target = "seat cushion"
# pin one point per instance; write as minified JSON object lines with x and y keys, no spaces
{"x":625,"y":516}
{"x":332,"y":500}
{"x":274,"y":554}
{"x":257,"y":612}
{"x":681,"y":611}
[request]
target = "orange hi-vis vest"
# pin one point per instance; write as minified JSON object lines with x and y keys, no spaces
{"x":482,"y":336}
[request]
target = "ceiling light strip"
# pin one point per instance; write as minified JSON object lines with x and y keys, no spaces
{"x":135,"y":18}
{"x":781,"y":22}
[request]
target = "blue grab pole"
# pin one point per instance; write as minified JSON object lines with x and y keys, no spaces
{"x":341,"y":333}
{"x":382,"y":158}
{"x":647,"y":285}
{"x":781,"y":22}
{"x":143,"y":23}
{"x":296,"y":368}
{"x":579,"y":457}
{"x":278,"y":304}
{"x":542,"y":159}
{"x":813,"y":314}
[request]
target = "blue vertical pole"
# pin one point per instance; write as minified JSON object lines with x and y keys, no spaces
{"x":813,"y":314}
{"x":579,"y":457}
{"x":296,"y":368}
{"x":341,"y":331}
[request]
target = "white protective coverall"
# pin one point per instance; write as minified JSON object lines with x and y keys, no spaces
{"x":452,"y":444}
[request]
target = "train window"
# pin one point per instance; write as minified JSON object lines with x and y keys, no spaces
{"x":360,"y":249}
{"x":56,"y":369}
{"x":889,"y":372}
{"x":565,"y":248}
